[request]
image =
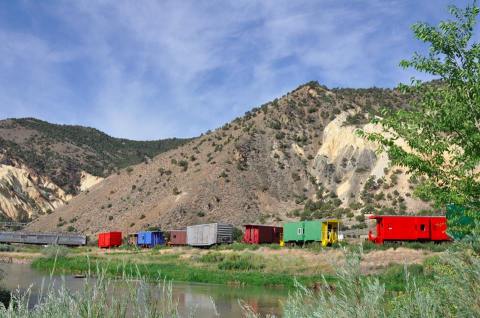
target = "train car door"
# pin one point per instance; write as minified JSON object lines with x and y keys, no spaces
{"x":256,"y":234}
{"x":423,"y":228}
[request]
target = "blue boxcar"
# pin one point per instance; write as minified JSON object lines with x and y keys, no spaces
{"x":150,"y":239}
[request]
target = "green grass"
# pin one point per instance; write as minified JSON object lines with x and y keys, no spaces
{"x":445,"y":285}
{"x":235,"y":271}
{"x":394,"y":277}
{"x":218,"y":268}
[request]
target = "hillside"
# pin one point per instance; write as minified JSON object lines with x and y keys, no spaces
{"x":294,"y":157}
{"x":43,"y":165}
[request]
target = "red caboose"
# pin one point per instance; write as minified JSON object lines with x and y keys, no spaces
{"x":260,"y":234}
{"x":409,"y":228}
{"x":109,"y":239}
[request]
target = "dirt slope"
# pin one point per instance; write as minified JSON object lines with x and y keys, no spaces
{"x":297,"y":156}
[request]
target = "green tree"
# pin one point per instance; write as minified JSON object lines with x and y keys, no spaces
{"x":438,"y":135}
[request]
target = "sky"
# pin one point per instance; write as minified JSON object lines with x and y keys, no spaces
{"x":157,"y":69}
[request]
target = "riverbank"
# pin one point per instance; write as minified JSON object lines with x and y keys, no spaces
{"x":233,"y":265}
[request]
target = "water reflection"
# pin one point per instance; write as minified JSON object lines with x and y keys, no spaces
{"x":204,"y":300}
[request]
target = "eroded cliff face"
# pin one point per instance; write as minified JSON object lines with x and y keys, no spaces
{"x":24,"y":195}
{"x":345,"y":161}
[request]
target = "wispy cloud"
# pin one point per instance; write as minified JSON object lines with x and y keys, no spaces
{"x":154,"y":69}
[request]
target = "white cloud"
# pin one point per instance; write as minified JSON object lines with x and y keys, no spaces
{"x":176,"y":68}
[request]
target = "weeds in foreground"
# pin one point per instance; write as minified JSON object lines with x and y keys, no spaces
{"x":445,"y":286}
{"x":451,"y":290}
{"x":100,"y":297}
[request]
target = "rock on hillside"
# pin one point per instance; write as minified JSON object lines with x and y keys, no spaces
{"x":295,"y":157}
{"x":43,"y":165}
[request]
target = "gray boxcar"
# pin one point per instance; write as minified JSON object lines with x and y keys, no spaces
{"x":43,"y":238}
{"x":209,"y":234}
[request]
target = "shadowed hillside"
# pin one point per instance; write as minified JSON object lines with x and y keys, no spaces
{"x":43,"y":165}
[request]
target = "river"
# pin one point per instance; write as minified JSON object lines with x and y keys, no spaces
{"x":205,"y":300}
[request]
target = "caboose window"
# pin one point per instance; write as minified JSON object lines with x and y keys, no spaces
{"x":422,"y":227}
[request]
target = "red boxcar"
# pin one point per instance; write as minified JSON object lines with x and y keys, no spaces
{"x":409,"y":228}
{"x":109,"y":239}
{"x":178,"y":237}
{"x":259,"y":234}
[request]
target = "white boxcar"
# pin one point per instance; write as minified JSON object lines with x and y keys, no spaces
{"x":209,"y":234}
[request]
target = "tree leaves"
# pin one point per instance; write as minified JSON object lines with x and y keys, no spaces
{"x":439,"y":135}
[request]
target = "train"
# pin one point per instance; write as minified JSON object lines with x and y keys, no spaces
{"x":324,"y":231}
{"x":402,"y":228}
{"x":200,"y":235}
{"x":387,"y":228}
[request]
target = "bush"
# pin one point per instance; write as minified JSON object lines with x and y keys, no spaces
{"x":212,"y":257}
{"x":241,"y":262}
{"x":183,"y":164}
{"x":6,"y":248}
{"x":418,"y":291}
{"x":5,"y":297}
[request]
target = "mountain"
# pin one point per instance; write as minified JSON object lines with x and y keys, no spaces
{"x":295,"y":157}
{"x":43,"y":165}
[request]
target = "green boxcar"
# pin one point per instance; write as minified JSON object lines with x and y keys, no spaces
{"x":294,"y":232}
{"x":313,"y":231}
{"x":325,"y":231}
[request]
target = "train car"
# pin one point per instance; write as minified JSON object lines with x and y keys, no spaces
{"x":262,"y":234}
{"x":150,"y":239}
{"x":204,"y":235}
{"x":409,"y":228}
{"x":43,"y":238}
{"x":109,"y":239}
{"x":177,"y":237}
{"x":324,"y":231}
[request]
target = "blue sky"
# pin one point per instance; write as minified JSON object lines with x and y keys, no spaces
{"x":157,"y":69}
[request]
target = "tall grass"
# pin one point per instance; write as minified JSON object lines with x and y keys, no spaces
{"x":100,"y":297}
{"x":234,"y":261}
{"x":450,"y":291}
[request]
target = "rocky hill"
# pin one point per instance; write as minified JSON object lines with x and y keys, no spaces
{"x":295,"y":157}
{"x":42,"y":165}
